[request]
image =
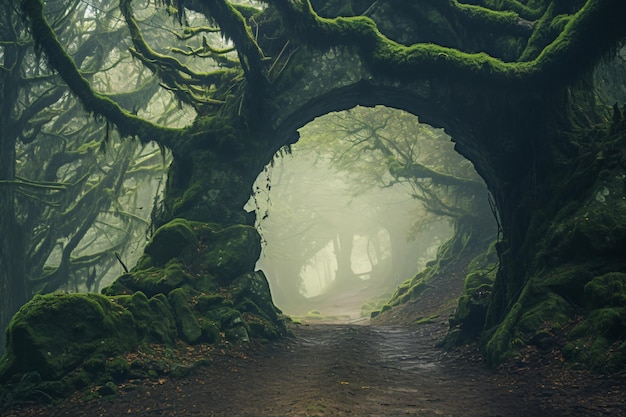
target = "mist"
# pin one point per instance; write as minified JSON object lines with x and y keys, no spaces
{"x":339,"y":236}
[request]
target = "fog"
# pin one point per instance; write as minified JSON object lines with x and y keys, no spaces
{"x":338,"y":230}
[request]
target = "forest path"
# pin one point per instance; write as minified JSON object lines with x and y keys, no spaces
{"x":362,"y":370}
{"x":356,"y":370}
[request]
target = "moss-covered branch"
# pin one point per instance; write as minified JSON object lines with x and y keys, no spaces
{"x":484,"y":19}
{"x":128,"y":124}
{"x":592,"y":32}
{"x":176,"y":76}
{"x":204,"y":51}
{"x":523,"y":10}
{"x":234,"y":26}
{"x":190,"y":32}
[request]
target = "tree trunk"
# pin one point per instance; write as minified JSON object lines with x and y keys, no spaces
{"x":13,"y":291}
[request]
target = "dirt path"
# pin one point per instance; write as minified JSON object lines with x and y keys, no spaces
{"x":351,"y":370}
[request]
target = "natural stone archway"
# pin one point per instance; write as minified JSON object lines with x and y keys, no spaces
{"x":535,"y":136}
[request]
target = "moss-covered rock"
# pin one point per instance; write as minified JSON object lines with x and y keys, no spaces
{"x":54,"y":334}
{"x":606,"y":290}
{"x":471,"y":237}
{"x":577,"y":273}
{"x":195,"y":283}
{"x":599,"y":337}
{"x":548,"y":310}
{"x":153,"y":317}
{"x":187,"y":323}
{"x":151,"y":281}
{"x":251,"y":296}
{"x":170,"y":240}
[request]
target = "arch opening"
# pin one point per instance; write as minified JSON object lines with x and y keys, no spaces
{"x":358,"y":206}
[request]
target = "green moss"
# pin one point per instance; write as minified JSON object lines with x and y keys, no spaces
{"x":569,"y":281}
{"x":54,"y":334}
{"x":118,"y":368}
{"x":153,"y":317}
{"x":151,"y":281}
{"x":108,"y":389}
{"x":186,"y":322}
{"x":233,"y":251}
{"x":596,"y":227}
{"x":238,"y":334}
{"x":550,"y":310}
{"x":374,"y":305}
{"x":264,"y":330}
{"x":499,"y":346}
{"x":205,"y":303}
{"x":228,"y":317}
{"x":318,"y":316}
{"x":94,"y":364}
{"x":606,"y":290}
{"x":600,"y":353}
{"x":478,"y":280}
{"x":170,"y":240}
{"x":210,"y":331}
{"x":255,"y":288}
{"x":426,"y":320}
{"x":487,"y":19}
{"x":523,"y":9}
{"x":190,"y":197}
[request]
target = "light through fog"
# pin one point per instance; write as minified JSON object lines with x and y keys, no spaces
{"x":334,"y":238}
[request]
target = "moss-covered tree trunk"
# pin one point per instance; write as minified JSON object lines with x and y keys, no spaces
{"x":564,"y":228}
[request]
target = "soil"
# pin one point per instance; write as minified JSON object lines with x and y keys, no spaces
{"x":356,"y":367}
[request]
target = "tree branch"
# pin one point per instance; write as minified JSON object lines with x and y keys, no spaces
{"x":127,"y":123}
{"x":176,"y":76}
{"x":234,"y":26}
{"x":592,"y":32}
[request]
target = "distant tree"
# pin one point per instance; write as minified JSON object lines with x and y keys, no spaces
{"x":383,"y":147}
{"x":312,"y":199}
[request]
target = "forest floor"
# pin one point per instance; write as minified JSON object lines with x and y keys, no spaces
{"x":350,"y":367}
